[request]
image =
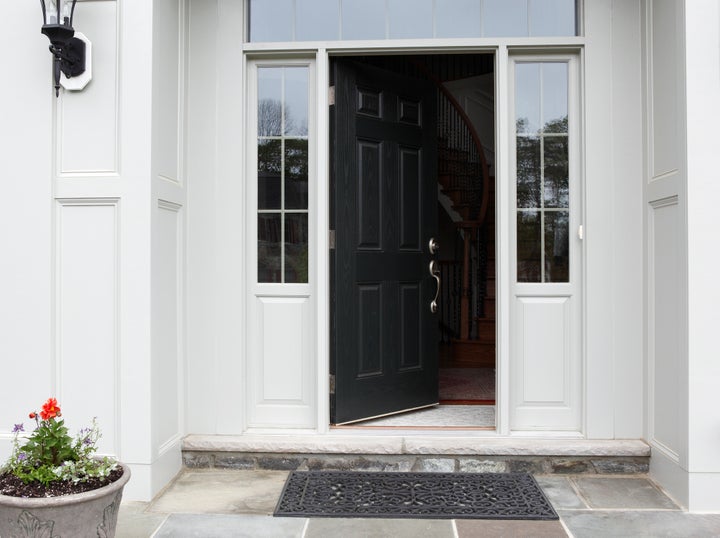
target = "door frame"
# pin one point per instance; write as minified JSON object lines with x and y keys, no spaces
{"x":502,"y":194}
{"x":502,"y":49}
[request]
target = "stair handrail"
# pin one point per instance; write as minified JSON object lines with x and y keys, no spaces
{"x":473,"y":133}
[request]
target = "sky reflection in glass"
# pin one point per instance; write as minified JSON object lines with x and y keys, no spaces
{"x":329,"y":20}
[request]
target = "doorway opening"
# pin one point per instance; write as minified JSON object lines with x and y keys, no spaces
{"x":413,"y":141}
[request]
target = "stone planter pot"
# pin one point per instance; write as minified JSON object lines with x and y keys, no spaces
{"x":92,"y":514}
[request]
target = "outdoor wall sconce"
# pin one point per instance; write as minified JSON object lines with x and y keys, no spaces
{"x":71,"y":50}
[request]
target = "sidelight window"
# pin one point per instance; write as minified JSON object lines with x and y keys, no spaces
{"x":542,"y":171}
{"x":282,"y":174}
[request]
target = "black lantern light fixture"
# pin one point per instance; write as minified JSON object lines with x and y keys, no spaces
{"x":69,"y":51}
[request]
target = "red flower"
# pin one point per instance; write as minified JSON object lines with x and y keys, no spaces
{"x":32,"y":415}
{"x":50,"y":409}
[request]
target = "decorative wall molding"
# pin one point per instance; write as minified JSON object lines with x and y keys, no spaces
{"x":668,"y":452}
{"x":169,"y":206}
{"x":86,"y":313}
{"x":663,"y":319}
{"x":87,"y":123}
{"x":169,"y":113}
{"x":168,"y":350}
{"x":664,"y":202}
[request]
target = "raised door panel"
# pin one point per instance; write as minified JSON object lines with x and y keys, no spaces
{"x":370,"y":330}
{"x":280,"y":385}
{"x":410,"y":199}
{"x":369,"y":207}
{"x":546,"y":368}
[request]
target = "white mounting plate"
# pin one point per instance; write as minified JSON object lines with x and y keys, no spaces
{"x":79,"y":82}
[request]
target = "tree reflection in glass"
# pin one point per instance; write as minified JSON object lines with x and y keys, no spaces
{"x":529,"y":256}
{"x":528,"y":171}
{"x":282,"y":174}
{"x":269,"y":248}
{"x":557,"y":266}
{"x":542,"y":171}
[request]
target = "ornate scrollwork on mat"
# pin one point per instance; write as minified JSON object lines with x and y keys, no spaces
{"x":416,"y":495}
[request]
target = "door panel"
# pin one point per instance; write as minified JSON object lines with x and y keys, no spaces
{"x":385,"y":210}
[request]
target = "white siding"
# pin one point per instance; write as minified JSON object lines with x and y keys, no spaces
{"x":666,"y":236}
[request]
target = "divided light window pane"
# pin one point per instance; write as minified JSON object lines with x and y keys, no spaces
{"x":410,"y":19}
{"x":363,"y":19}
{"x":329,"y":20}
{"x":552,"y":17}
{"x":505,"y":18}
{"x":527,"y":98}
{"x":457,"y":18}
{"x":282,"y":174}
{"x":317,"y":21}
{"x":271,"y":20}
{"x":542,"y":172}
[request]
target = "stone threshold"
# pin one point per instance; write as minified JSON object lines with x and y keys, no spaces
{"x":458,"y":454}
{"x":416,"y":445}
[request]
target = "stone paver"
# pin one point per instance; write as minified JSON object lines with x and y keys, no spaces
{"x":225,"y":526}
{"x":494,"y":528}
{"x":212,"y":502}
{"x":136,"y":522}
{"x":203,"y":491}
{"x":636,"y":524}
{"x":560,"y":492}
{"x":627,"y":493}
{"x":379,"y":528}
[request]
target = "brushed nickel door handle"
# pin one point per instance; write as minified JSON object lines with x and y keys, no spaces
{"x":435,"y":273}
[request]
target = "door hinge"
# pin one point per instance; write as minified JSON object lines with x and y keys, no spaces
{"x":331,"y":239}
{"x":332,"y":383}
{"x":580,"y":232}
{"x":331,"y":95}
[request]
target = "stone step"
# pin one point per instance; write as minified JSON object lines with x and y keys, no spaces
{"x":416,"y":453}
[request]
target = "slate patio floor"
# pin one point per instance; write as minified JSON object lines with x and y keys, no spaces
{"x":208,"y":503}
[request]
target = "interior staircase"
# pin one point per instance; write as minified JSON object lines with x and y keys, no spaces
{"x":464,"y":180}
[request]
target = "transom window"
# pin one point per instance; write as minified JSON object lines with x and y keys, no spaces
{"x":332,"y":20}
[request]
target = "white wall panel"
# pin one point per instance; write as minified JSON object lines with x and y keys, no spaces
{"x":87,"y":120}
{"x":167,"y":323}
{"x":202,"y":252}
{"x":666,"y":243}
{"x":702,"y":86}
{"x":86,"y":322}
{"x":25,"y":220}
{"x":627,"y":221}
{"x":167,"y":89}
{"x":665,"y":85}
{"x":281,"y":365}
{"x":666,"y":362}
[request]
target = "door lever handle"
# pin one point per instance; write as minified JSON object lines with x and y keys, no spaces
{"x":435,"y":273}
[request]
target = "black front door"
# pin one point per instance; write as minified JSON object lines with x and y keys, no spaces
{"x":384,"y":206}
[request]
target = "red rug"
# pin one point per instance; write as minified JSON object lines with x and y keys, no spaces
{"x":467,"y":385}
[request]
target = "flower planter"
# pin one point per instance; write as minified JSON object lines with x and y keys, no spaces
{"x":92,"y":514}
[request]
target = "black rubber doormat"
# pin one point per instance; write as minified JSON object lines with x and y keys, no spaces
{"x":414,"y":495}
